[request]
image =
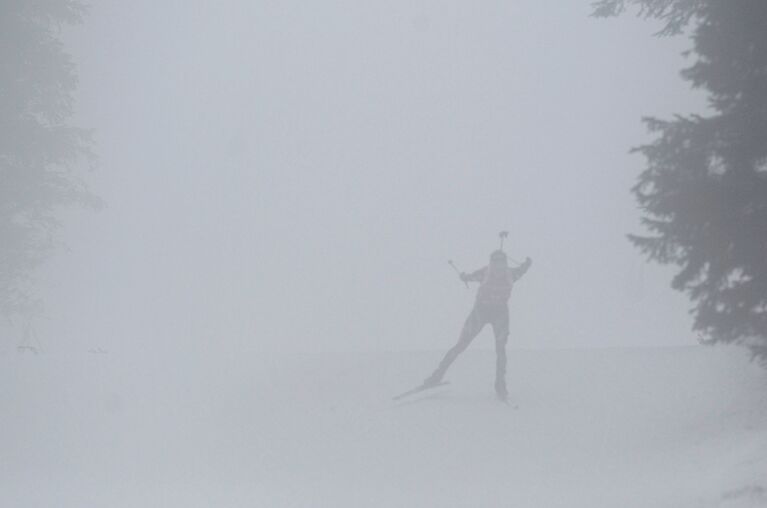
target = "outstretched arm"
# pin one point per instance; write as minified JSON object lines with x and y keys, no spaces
{"x":518,"y":272}
{"x":475,"y":276}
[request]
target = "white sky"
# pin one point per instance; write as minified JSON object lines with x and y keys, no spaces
{"x":294,"y":176}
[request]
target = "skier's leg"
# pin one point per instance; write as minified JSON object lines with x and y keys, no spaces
{"x":501,"y":331}
{"x":471,"y":329}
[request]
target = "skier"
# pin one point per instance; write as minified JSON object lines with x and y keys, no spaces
{"x":491,"y":306}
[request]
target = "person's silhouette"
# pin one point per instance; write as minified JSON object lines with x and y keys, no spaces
{"x":491,"y":306}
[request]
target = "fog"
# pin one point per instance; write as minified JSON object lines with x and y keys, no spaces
{"x":288,"y":177}
{"x":284,"y":184}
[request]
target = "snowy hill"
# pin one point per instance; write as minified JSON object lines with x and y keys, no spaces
{"x":681,"y":427}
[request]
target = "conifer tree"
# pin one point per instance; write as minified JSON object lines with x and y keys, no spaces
{"x":703,"y":192}
{"x":40,"y":153}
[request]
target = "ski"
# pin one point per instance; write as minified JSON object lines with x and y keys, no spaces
{"x":418,"y":389}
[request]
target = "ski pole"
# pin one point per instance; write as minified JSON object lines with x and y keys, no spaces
{"x":503,"y":235}
{"x":450,"y":262}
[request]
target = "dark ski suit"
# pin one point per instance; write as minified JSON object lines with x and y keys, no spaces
{"x":490,"y":307}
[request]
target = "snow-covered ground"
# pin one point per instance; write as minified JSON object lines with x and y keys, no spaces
{"x":676,"y":427}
